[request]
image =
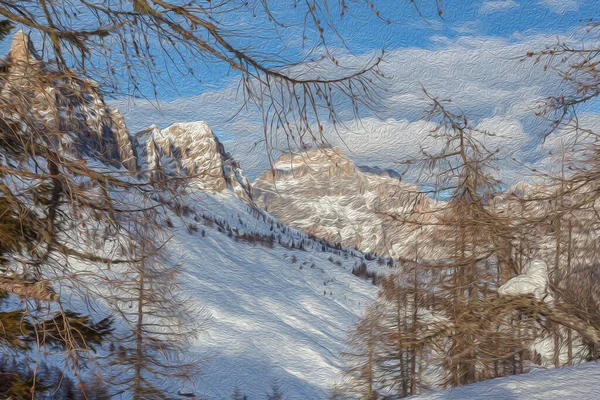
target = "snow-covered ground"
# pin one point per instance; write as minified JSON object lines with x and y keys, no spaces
{"x":278,"y":315}
{"x":574,"y":383}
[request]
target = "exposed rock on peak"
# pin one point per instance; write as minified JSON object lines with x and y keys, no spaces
{"x":73,"y":111}
{"x":127,"y":151}
{"x":320,"y":161}
{"x":23,"y":66}
{"x":22,"y":50}
{"x":190,"y":150}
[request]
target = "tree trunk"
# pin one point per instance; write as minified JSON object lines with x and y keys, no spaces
{"x":137,"y":380}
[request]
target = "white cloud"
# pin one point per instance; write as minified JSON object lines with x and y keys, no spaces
{"x":469,"y":27}
{"x":485,"y":76}
{"x":387,"y":143}
{"x":492,"y":6}
{"x":560,"y":6}
{"x":384,"y":142}
{"x":574,"y":140}
{"x":217,"y":108}
{"x":505,"y":135}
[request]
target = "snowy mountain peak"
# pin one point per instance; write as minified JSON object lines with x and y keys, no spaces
{"x":72,"y":109}
{"x":191,"y":149}
{"x":322,"y":192}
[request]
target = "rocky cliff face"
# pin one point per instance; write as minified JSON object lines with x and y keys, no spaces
{"x":190,"y":150}
{"x":322,"y":192}
{"x":75,"y":114}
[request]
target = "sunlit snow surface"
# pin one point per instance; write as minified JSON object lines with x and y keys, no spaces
{"x":532,"y":280}
{"x":575,"y":383}
{"x":278,"y":315}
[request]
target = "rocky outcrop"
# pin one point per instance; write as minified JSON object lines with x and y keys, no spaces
{"x":324,"y":161}
{"x":190,"y":150}
{"x":127,"y":151}
{"x":23,"y":62}
{"x":68,"y":110}
{"x":322,"y":192}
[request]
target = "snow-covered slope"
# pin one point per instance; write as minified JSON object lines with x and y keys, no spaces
{"x":277,"y":315}
{"x":278,"y":304}
{"x":574,"y":383}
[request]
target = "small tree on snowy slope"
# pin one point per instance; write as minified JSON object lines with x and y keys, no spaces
{"x":361,"y":373}
{"x":149,"y":360}
{"x":276,"y":393}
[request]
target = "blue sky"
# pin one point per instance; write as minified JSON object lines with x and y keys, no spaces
{"x":365,"y":33}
